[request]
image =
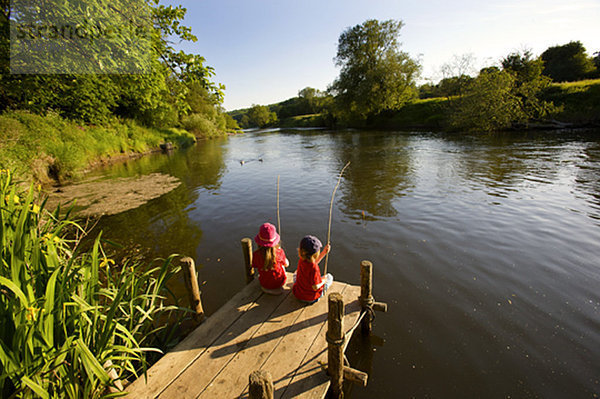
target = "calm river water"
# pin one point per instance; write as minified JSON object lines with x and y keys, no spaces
{"x":486,"y":248}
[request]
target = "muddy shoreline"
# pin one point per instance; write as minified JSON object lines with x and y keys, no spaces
{"x":94,"y":197}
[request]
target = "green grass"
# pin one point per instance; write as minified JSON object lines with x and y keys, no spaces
{"x":579,"y":101}
{"x":579,"y":83}
{"x":427,"y":113}
{"x":46,"y":147}
{"x":65,"y":315}
{"x":309,"y":120}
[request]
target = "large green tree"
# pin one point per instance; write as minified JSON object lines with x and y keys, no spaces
{"x":375,"y":75}
{"x":529,"y":83}
{"x":568,"y":62}
{"x":143,"y":77}
{"x":261,"y":116}
{"x":489,"y":103}
{"x":498,"y":99}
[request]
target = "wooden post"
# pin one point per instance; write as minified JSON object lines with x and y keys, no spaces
{"x":114,"y":377}
{"x":366,"y":294}
{"x":191,"y":282}
{"x":367,"y":302}
{"x":247,"y":250}
{"x":335,"y":343}
{"x":261,"y":385}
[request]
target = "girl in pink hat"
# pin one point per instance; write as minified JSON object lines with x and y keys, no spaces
{"x":270,"y":260}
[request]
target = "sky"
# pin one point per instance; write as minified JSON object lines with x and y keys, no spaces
{"x":265,"y":51}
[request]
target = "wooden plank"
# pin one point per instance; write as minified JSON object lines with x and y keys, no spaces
{"x":310,"y":381}
{"x":233,"y":378}
{"x":170,"y":366}
{"x":202,"y":371}
{"x":289,"y":352}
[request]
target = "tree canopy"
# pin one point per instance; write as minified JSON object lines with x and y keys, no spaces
{"x":497,"y":99}
{"x":375,"y":75}
{"x":568,"y":62}
{"x":123,"y":63}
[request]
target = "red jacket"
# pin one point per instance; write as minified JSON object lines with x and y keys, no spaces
{"x":307,"y":275}
{"x":275,"y":277}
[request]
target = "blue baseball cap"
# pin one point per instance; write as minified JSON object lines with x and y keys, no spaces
{"x":310,"y":244}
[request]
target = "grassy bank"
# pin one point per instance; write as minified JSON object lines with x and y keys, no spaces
{"x":70,"y":318}
{"x":309,"y":120}
{"x":578,"y":104}
{"x":580,"y":101}
{"x":49,"y":148}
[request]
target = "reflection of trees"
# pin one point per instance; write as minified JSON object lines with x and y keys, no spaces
{"x":504,"y":160}
{"x":199,"y":166}
{"x":163,"y":226}
{"x":156,"y":229}
{"x":380,"y":171}
{"x":588,"y":175}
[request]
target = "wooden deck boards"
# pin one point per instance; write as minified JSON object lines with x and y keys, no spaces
{"x":252,"y":331}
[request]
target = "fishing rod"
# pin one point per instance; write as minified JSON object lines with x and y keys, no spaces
{"x":330,"y":213}
{"x":278,"y":220}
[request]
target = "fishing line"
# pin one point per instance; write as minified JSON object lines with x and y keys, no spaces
{"x":278,"y":221}
{"x":330,"y":213}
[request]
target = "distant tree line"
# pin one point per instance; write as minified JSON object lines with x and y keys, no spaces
{"x":377,"y":80}
{"x":564,"y":63}
{"x":309,"y":101}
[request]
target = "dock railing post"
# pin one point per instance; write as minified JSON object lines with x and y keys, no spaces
{"x":261,"y":385}
{"x":335,"y":343}
{"x":366,"y":294}
{"x":247,"y":250}
{"x":191,"y":282}
{"x":367,"y":302}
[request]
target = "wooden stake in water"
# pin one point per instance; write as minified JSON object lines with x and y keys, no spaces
{"x":330,"y":213}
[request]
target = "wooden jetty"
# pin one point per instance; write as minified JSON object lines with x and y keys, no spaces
{"x":260,"y":345}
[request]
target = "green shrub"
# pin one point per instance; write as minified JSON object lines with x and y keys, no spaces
{"x":66,"y":316}
{"x":200,"y":126}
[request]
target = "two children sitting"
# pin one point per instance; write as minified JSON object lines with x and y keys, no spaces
{"x":270,"y":261}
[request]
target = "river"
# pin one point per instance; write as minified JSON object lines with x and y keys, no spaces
{"x":486,"y":248}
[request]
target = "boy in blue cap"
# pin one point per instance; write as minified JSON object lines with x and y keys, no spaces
{"x":309,"y":285}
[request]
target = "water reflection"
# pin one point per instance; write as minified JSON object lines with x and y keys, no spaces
{"x":588,"y":177}
{"x":380,"y":172}
{"x":163,"y":226}
{"x":485,"y":247}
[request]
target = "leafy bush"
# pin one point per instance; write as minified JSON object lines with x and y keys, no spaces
{"x":69,"y":318}
{"x":200,"y":126}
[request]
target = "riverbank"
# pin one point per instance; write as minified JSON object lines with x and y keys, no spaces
{"x":578,"y":105}
{"x":50,"y":149}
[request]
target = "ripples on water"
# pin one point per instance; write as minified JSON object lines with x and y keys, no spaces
{"x":485,"y":248}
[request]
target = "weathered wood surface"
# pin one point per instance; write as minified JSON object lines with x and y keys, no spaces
{"x":253,"y":331}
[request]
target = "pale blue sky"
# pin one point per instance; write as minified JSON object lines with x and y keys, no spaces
{"x":264,"y":51}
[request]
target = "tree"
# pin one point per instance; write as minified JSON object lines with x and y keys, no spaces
{"x":497,"y":99}
{"x":529,"y":83}
{"x":260,"y":116}
{"x":596,"y":61}
{"x":375,"y":75}
{"x":568,"y":62}
{"x":457,"y":74}
{"x":129,"y":69}
{"x":488,"y":104}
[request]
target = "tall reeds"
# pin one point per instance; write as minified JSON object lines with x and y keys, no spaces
{"x":65,"y":315}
